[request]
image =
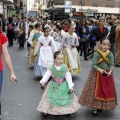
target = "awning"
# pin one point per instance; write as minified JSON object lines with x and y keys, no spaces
{"x":7,"y":1}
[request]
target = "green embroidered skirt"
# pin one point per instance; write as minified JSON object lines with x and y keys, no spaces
{"x":57,"y":101}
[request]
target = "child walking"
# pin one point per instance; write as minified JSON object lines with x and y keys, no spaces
{"x":33,"y":40}
{"x":44,"y":50}
{"x":59,"y":97}
{"x":68,"y":47}
{"x":99,"y":91}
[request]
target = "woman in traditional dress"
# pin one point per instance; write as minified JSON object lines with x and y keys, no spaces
{"x":59,"y":97}
{"x":99,"y":91}
{"x":68,"y":47}
{"x":33,"y":40}
{"x":58,"y":35}
{"x":44,"y":51}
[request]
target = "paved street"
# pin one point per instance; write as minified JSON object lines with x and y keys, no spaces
{"x":20,"y":100}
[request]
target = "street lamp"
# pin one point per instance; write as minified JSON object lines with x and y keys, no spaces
{"x":81,"y":4}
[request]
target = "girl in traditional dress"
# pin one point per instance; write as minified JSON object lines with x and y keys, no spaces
{"x":99,"y":91}
{"x":58,"y":98}
{"x":33,"y":40}
{"x":44,"y":51}
{"x":58,"y":35}
{"x":71,"y":56}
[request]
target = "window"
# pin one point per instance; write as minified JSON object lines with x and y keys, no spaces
{"x":110,"y":3}
{"x":95,"y":3}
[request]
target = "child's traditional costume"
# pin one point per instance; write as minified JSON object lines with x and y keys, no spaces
{"x":44,"y":51}
{"x":32,"y":40}
{"x":71,"y":56}
{"x":56,"y":99}
{"x":58,"y":38}
{"x":99,"y":91}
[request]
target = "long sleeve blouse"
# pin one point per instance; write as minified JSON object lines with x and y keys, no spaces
{"x":103,"y":65}
{"x":68,"y":40}
{"x":68,"y":77}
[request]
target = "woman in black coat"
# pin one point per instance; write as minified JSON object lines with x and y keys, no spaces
{"x":100,"y":32}
{"x":83,"y":32}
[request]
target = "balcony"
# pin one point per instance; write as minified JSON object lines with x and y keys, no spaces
{"x":8,"y":1}
{"x":10,"y":6}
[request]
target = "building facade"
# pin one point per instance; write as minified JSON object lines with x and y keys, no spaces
{"x":100,"y":3}
{"x":5,"y":7}
{"x":30,"y":4}
{"x":21,"y":8}
{"x":100,"y":6}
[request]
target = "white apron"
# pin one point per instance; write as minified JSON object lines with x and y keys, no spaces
{"x":45,"y":57}
{"x":57,"y":37}
{"x":72,"y":52}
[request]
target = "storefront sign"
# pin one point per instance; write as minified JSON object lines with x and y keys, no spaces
{"x":68,"y":4}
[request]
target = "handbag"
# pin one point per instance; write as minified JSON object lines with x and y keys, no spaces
{"x":82,"y":40}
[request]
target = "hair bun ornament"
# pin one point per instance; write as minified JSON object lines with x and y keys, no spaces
{"x":72,"y":24}
{"x":46,"y":27}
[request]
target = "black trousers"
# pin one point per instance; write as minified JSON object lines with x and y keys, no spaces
{"x":84,"y":48}
{"x":10,"y":38}
{"x":21,"y":41}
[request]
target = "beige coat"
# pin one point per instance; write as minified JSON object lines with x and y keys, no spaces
{"x":118,"y":34}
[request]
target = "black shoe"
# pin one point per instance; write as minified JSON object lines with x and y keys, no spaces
{"x":94,"y":112}
{"x":86,"y":59}
{"x":99,"y":110}
{"x":20,"y":47}
{"x":117,"y":65}
{"x":68,"y":115}
{"x":45,"y":115}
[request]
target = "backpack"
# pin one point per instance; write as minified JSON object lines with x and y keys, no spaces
{"x":10,"y":27}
